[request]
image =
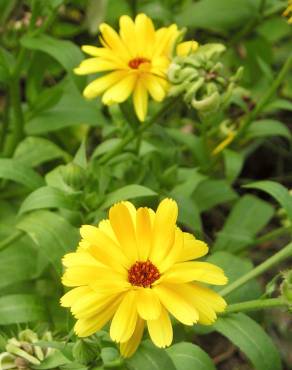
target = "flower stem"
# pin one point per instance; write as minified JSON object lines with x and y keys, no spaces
{"x":254,"y":305}
{"x":264,"y":100}
{"x":131,"y":135}
{"x":270,"y":262}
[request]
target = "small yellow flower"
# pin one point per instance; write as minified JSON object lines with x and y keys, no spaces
{"x":135,"y":269}
{"x":288,"y":11}
{"x":136,"y":61}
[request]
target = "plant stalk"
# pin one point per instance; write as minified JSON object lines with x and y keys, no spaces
{"x":255,"y":305}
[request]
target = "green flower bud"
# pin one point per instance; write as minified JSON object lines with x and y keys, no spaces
{"x":208,"y":104}
{"x":85,"y":351}
{"x":286,"y":287}
{"x":7,"y":361}
{"x":74,"y":175}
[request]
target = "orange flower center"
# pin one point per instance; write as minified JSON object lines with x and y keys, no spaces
{"x":143,"y":274}
{"x":135,"y":63}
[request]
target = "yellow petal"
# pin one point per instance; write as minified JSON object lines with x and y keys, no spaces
{"x":120,"y":91}
{"x":154,"y":87}
{"x":86,"y":327}
{"x":104,"y":53}
{"x":174,"y":252}
{"x":195,"y":271}
{"x":163,"y":230}
{"x":214,"y":299}
{"x":128,"y":34}
{"x":140,"y":100}
{"x":159,"y":66}
{"x":148,"y":304}
{"x":73,"y":295}
{"x":176,"y":305}
{"x":143,"y":233}
{"x":160,"y":330}
{"x":145,"y":31}
{"x":99,"y":85}
{"x":128,"y":348}
{"x":164,"y":39}
{"x":80,"y":258}
{"x":122,"y":224}
{"x":94,"y":65}
{"x":125,"y":319}
{"x":114,"y":41}
{"x":104,"y":249}
{"x":186,"y":48}
{"x":80,"y":275}
{"x":110,"y":286}
{"x":193,"y":248}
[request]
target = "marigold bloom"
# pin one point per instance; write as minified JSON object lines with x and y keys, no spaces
{"x":136,"y":61}
{"x":288,"y":11}
{"x":135,"y":269}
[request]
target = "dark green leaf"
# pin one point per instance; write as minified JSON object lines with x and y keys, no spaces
{"x":277,"y":191}
{"x":233,"y":164}
{"x":266,"y":128}
{"x":188,"y":356}
{"x":251,"y":339}
{"x":21,"y":308}
{"x":249,"y":215}
{"x":80,"y":157}
{"x":12,"y":169}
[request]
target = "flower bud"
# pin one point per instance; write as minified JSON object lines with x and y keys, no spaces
{"x":286,"y":287}
{"x":74,"y":175}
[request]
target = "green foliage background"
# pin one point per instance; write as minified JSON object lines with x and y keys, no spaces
{"x":59,"y":168}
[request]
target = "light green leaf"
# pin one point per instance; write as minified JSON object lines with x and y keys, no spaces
{"x":188,"y":356}
{"x":127,"y":192}
{"x":266,"y":128}
{"x":105,"y":146}
{"x":277,"y":191}
{"x":149,"y":357}
{"x":80,"y":156}
{"x":251,"y":339}
{"x":47,"y":197}
{"x":51,"y":233}
{"x":249,"y":215}
{"x":33,"y":151}
{"x":64,"y":51}
{"x":11,"y":169}
{"x":21,"y":308}
{"x":235,"y":267}
{"x":211,"y":193}
{"x":55,"y":359}
{"x":233,"y":162}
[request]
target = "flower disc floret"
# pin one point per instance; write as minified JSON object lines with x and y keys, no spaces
{"x":143,"y":274}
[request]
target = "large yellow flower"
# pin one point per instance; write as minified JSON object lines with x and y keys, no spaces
{"x":288,"y":11}
{"x":135,"y":269}
{"x":137,"y":60}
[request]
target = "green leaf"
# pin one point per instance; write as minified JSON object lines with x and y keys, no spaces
{"x":51,"y":233}
{"x":33,"y":151}
{"x":235,"y":267}
{"x":54,"y":360}
{"x":21,"y":308}
{"x":266,"y":128}
{"x":64,"y":51}
{"x":80,"y":157}
{"x":249,"y":215}
{"x":149,"y":357}
{"x":277,"y":191}
{"x":188,"y":356}
{"x":251,"y":339}
{"x":233,"y":162}
{"x":105,"y":147}
{"x":12,"y":169}
{"x":71,"y":110}
{"x":218,"y":15}
{"x":47,"y":197}
{"x":211,"y":193}
{"x":127,"y":192}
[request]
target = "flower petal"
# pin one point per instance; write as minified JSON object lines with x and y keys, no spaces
{"x":114,"y":41}
{"x":160,"y":330}
{"x":148,"y":304}
{"x":190,"y":271}
{"x":128,"y":34}
{"x":99,"y":85}
{"x":143,"y":233}
{"x":94,"y":65}
{"x":120,"y":91}
{"x":81,"y":275}
{"x":186,"y":48}
{"x":154,"y":87}
{"x":125,"y":319}
{"x":174,"y":252}
{"x":176,"y":305}
{"x":193,"y":248}
{"x":74,"y":295}
{"x":140,"y":100}
{"x":128,"y":348}
{"x":145,"y":31}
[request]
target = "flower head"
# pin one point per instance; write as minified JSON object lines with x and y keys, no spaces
{"x":135,"y":269}
{"x":135,"y":61}
{"x":288,"y":11}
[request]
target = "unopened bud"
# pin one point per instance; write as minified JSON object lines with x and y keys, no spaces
{"x":74,"y":176}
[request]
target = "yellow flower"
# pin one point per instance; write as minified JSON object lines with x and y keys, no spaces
{"x":136,"y":60}
{"x":288,"y":11}
{"x":135,"y":269}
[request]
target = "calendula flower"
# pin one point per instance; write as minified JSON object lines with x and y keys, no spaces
{"x":136,"y":269}
{"x":135,"y":61}
{"x":288,"y":11}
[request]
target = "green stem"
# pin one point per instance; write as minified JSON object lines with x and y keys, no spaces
{"x":265,"y":99}
{"x":270,"y":262}
{"x":5,"y":123}
{"x":131,"y":135}
{"x":254,"y":305}
{"x":271,"y":235}
{"x":10,"y":239}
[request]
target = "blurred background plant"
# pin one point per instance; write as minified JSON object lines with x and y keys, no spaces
{"x":223,"y":152}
